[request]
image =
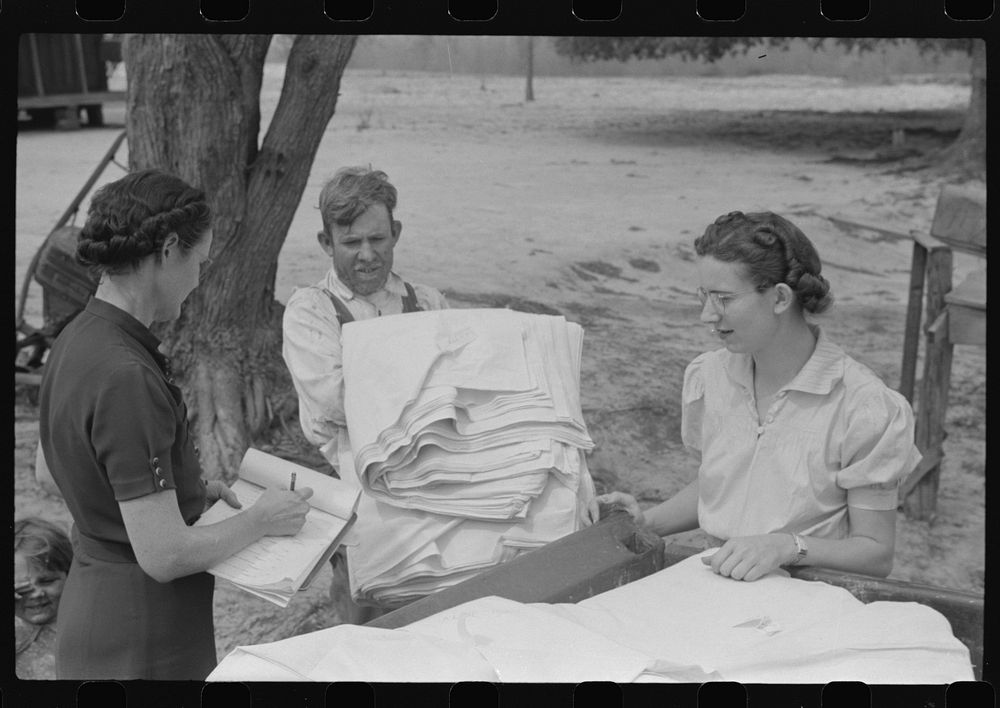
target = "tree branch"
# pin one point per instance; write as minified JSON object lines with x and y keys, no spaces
{"x":279,"y":173}
{"x":248,"y":52}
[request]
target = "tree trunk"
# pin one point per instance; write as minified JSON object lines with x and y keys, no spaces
{"x":968,"y":152}
{"x":194,"y":109}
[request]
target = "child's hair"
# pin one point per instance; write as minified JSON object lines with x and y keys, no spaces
{"x":773,"y":250}
{"x":44,"y":543}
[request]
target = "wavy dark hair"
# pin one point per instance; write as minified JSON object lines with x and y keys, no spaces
{"x":773,"y":250}
{"x":129,"y":219}
{"x":44,"y":543}
{"x":350,"y":192}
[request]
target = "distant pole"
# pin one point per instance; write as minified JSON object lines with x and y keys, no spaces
{"x":529,"y":88}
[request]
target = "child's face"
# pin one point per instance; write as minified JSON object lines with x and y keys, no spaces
{"x":36,"y":590}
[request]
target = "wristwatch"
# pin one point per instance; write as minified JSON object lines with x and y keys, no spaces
{"x":801,"y":549}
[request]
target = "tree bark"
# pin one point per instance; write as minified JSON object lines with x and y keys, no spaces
{"x":968,"y":152}
{"x":194,"y":108}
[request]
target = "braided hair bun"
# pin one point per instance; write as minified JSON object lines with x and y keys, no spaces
{"x":129,"y":220}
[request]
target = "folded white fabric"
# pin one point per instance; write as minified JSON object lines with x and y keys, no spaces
{"x":404,"y":554}
{"x":402,"y":355}
{"x":466,"y":434}
{"x":682,"y":624}
{"x":440,"y":402}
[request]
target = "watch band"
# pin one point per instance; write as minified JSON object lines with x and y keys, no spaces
{"x":801,"y":550}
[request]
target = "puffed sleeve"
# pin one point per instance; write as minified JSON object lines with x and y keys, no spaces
{"x":877,"y":452}
{"x":312,"y":352}
{"x":693,"y":403}
{"x":133,"y":430}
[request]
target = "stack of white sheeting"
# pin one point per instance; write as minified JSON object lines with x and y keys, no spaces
{"x":682,"y":624}
{"x":399,"y":555}
{"x":467,"y":437}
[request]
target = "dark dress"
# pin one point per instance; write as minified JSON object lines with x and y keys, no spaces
{"x":113,"y":428}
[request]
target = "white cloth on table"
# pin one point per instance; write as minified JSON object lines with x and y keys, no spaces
{"x":489,"y":639}
{"x":776,"y":629}
{"x":349,"y":652}
{"x":684,"y":623}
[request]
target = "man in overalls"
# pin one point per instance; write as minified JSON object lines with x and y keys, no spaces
{"x":359,"y":235}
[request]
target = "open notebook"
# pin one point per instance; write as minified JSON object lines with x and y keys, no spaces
{"x":276,"y":567}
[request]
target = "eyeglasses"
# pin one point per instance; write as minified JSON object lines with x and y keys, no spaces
{"x":719,"y":300}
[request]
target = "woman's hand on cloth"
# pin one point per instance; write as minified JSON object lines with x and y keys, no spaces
{"x":621,"y":500}
{"x":752,"y":557}
{"x":283,"y":513}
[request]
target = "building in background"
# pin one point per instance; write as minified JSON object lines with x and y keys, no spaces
{"x":61,"y":76}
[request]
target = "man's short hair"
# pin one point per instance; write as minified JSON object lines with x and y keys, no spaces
{"x":350,"y":192}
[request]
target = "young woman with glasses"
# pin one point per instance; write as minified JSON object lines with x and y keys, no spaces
{"x":802,"y":448}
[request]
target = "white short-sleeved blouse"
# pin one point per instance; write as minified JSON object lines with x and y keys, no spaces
{"x":835,"y":436}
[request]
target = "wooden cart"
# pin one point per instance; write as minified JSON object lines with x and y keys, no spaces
{"x":66,"y":285}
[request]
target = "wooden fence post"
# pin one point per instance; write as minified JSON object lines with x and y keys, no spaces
{"x":911,"y":332}
{"x":932,"y":405}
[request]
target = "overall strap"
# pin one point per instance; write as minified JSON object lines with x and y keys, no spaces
{"x":410,"y":299}
{"x":343,"y":314}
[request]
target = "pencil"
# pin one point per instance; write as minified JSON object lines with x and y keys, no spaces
{"x":291,"y":487}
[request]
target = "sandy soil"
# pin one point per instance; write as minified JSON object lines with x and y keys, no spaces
{"x":585,"y":202}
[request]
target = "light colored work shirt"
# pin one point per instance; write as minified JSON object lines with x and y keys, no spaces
{"x":835,"y":436}
{"x":311,"y":348}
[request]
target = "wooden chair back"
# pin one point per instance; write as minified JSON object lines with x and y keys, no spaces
{"x":960,"y":218}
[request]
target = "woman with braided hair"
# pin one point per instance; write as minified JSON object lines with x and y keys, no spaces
{"x":137,"y":603}
{"x":801,"y":447}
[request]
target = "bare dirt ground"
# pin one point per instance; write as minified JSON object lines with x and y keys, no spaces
{"x":585,"y":202}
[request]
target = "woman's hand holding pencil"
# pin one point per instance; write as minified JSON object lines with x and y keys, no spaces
{"x":282,"y":512}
